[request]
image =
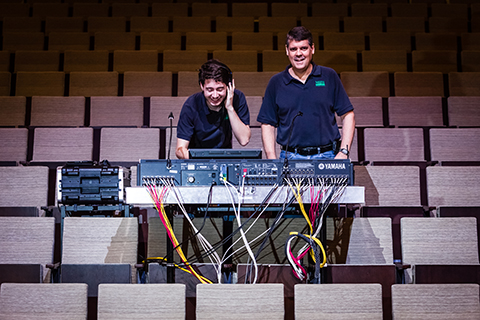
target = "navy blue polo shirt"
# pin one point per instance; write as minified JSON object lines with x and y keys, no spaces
{"x":205,"y":128}
{"x":319,"y":99}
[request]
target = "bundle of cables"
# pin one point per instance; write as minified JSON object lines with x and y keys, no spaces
{"x":328,"y":191}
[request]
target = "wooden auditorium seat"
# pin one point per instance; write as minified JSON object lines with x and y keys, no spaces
{"x":409,"y":10}
{"x":235,"y":24}
{"x":12,"y":9}
{"x":85,"y":61}
{"x":390,"y":41}
{"x":415,"y":111}
{"x":368,"y":111}
{"x":135,"y":60}
{"x":160,"y":108}
{"x":254,"y":104}
{"x":113,"y":40}
{"x":419,"y":84}
{"x":277,"y":25}
{"x":62,"y":144}
{"x":63,"y":41}
{"x":169,"y":10}
{"x":44,"y":10}
{"x":263,"y":301}
{"x":4,"y":61}
{"x":22,"y":24}
{"x":86,"y":10}
{"x":63,"y":24}
{"x":5,"y":83}
{"x":470,"y":41}
{"x":470,"y":61}
{"x":324,"y":9}
{"x":464,"y":83}
{"x":274,"y":60}
{"x":188,"y":83}
{"x":258,"y":41}
{"x":48,"y":83}
{"x":160,"y":41}
{"x":23,"y":186}
{"x":106,"y":24}
{"x":99,"y":250}
{"x":147,"y":84}
{"x":366,"y":84}
{"x":339,"y":60}
{"x":58,"y":111}
{"x":435,"y":301}
{"x":449,"y":10}
{"x":440,"y":250}
{"x":37,"y":60}
{"x":148,"y":24}
{"x":452,"y":144}
{"x":344,"y":41}
{"x":130,"y":10}
{"x":129,"y":145}
{"x":191,"y":24}
{"x":13,"y":41}
{"x":209,"y":41}
{"x":339,"y":301}
{"x":44,"y":300}
{"x":394,"y":144}
{"x":245,"y":61}
{"x":316,"y":25}
{"x":200,"y":9}
{"x":384,"y":60}
{"x":410,"y":25}
{"x":116,"y":111}
{"x":435,"y":41}
{"x":127,"y":301}
{"x":363,"y":24}
{"x":254,"y":9}
{"x":26,"y":248}
{"x":369,"y":9}
{"x":444,"y":61}
{"x":12,"y":111}
{"x":289,"y":10}
{"x":455,"y":25}
{"x":90,"y":84}
{"x":253,"y":83}
{"x":182,"y":60}
{"x":463,"y":111}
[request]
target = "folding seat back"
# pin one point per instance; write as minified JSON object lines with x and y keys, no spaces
{"x":245,"y":61}
{"x":85,"y":61}
{"x":394,"y":144}
{"x":344,"y":41}
{"x":363,"y":24}
{"x":188,"y":83}
{"x":191,"y":24}
{"x":206,"y":41}
{"x":58,"y":111}
{"x":366,"y":84}
{"x":341,"y":301}
{"x":5,"y":83}
{"x":178,"y":60}
{"x":200,"y":9}
{"x":160,"y":41}
{"x":276,"y":25}
{"x":169,"y":9}
{"x":329,"y":9}
{"x":390,"y":41}
{"x":339,"y":60}
{"x":126,"y":301}
{"x":253,"y":83}
{"x":129,"y":10}
{"x":234,"y":24}
{"x":464,"y":83}
{"x":434,"y":61}
{"x":435,"y":301}
{"x":160,"y":108}
{"x":43,"y":10}
{"x":415,"y":111}
{"x":91,"y":84}
{"x":418,"y":84}
{"x":148,"y":24}
{"x":135,"y":60}
{"x":106,"y":24}
{"x":62,"y":41}
{"x":258,"y":41}
{"x":410,"y":25}
{"x":463,"y":111}
{"x":453,"y":144}
{"x":111,"y":41}
{"x":62,"y":144}
{"x":48,"y":83}
{"x":24,"y":186}
{"x":289,"y":9}
{"x":36,"y":301}
{"x":267,"y":301}
{"x":368,"y":111}
{"x":13,"y":41}
{"x":116,"y":111}
{"x":147,"y":84}
{"x":37,"y":60}
{"x":63,"y":24}
{"x":12,"y":111}
{"x":390,"y":61}
{"x":253,"y":9}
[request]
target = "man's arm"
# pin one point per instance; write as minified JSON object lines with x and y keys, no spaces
{"x":240,"y":130}
{"x":182,"y":148}
{"x":268,"y":140}
{"x":348,"y":131}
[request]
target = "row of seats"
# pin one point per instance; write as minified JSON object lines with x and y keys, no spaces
{"x":330,"y":40}
{"x":117,"y":301}
{"x":136,"y":111}
{"x":198,"y":9}
{"x":279,"y":25}
{"x":242,"y":61}
{"x":385,"y":185}
{"x":149,"y":84}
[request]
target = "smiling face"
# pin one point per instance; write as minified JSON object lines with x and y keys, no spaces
{"x":214,"y":92}
{"x":300,"y":54}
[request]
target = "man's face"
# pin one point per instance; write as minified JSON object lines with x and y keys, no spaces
{"x":214,"y":92}
{"x":300,"y":53}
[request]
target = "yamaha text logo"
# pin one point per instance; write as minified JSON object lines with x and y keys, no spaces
{"x":331,"y":166}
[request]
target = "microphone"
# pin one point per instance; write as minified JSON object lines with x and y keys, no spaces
{"x":285,"y":162}
{"x":169,"y":162}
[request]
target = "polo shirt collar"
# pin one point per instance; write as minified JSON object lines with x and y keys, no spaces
{"x":316,"y":71}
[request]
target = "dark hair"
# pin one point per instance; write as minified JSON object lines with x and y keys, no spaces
{"x":298,"y":34}
{"x":214,"y":69}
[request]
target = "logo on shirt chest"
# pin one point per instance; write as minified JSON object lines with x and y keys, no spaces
{"x":320,"y":83}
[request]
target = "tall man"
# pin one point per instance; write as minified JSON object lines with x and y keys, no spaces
{"x":209,"y":117}
{"x":301,"y":102}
